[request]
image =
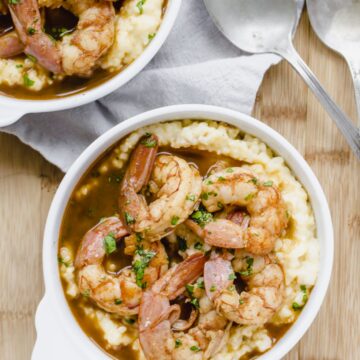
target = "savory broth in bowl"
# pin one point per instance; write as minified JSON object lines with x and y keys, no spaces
{"x":85,"y":44}
{"x":185,"y":230}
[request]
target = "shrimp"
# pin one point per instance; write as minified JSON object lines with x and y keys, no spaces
{"x":265,"y":287}
{"x":10,"y":45}
{"x":95,"y":32}
{"x":156,"y":315}
{"x":175,"y":185}
{"x":27,"y":20}
{"x":77,"y":53}
{"x":116,"y":293}
{"x":263,"y":201}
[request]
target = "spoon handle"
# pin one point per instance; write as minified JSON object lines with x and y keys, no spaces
{"x":354,"y":66}
{"x":345,"y":125}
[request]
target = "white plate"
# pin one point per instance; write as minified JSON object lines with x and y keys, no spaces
{"x":58,"y":331}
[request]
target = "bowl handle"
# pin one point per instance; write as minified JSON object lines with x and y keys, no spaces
{"x":9,"y":116}
{"x":51,"y":342}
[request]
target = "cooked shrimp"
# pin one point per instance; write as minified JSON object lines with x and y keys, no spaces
{"x":77,"y":53}
{"x":28,"y":24}
{"x":265,"y":287}
{"x":156,"y":315}
{"x":94,"y":34}
{"x":175,"y":185}
{"x":116,"y":293}
{"x":263,"y":201}
{"x":10,"y":45}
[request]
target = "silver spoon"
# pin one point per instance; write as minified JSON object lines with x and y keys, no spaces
{"x":266,"y":26}
{"x":337,"y":24}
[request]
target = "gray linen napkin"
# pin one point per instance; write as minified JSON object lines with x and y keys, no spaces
{"x":195,"y":65}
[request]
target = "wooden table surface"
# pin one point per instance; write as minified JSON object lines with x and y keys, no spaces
{"x":28,"y":183}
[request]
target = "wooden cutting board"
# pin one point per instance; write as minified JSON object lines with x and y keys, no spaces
{"x":28,"y":183}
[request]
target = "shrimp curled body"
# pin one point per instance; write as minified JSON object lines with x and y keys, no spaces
{"x":174,"y":185}
{"x":239,"y":187}
{"x":115,"y":293}
{"x":264,"y":293}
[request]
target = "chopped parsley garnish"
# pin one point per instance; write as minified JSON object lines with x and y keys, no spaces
{"x":220,"y":205}
{"x":14,"y":2}
{"x":140,"y":6}
{"x":296,"y":306}
{"x":86,"y":293}
{"x":31,"y":31}
{"x":213,"y":288}
{"x":202,"y":217}
{"x":249,"y":269}
{"x":232,"y":277}
{"x":151,"y":36}
{"x":149,"y":141}
{"x":62,"y":261}
{"x":139,"y":237}
{"x":181,"y":243}
{"x":249,"y":196}
{"x":304,"y":291}
{"x":18,"y":66}
{"x":241,"y":301}
{"x":174,"y":220}
{"x":231,"y":288}
{"x":254,"y":180}
{"x":141,"y":264}
{"x":130,"y":321}
{"x":27,"y":81}
{"x":221,"y":178}
{"x":128,"y":218}
{"x":118,"y":301}
{"x":178,"y":343}
{"x":205,"y":196}
{"x":31,"y":58}
{"x":190,"y":197}
{"x":268,"y":183}
{"x":195,"y":302}
{"x":198,"y":246}
{"x":229,"y":170}
{"x":190,"y":289}
{"x":109,"y":243}
{"x":200,"y":284}
{"x":208,"y":182}
{"x":195,"y":348}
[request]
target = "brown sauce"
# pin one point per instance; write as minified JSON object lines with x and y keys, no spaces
{"x":56,"y":20}
{"x":100,"y":202}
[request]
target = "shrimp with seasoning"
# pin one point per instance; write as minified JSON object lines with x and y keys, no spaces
{"x":239,"y":187}
{"x":264,"y":294}
{"x":156,"y":315}
{"x":115,"y":293}
{"x":27,"y":20}
{"x":10,"y":45}
{"x":172,"y":182}
{"x":77,"y":53}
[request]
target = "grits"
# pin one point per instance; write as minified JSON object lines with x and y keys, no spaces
{"x":297,"y":251}
{"x":134,"y":29}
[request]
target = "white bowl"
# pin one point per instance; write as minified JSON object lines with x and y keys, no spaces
{"x":56,"y":305}
{"x":12,"y":109}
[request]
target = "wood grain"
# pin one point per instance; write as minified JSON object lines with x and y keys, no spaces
{"x":28,"y":183}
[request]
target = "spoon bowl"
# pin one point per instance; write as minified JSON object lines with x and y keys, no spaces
{"x":248,"y":28}
{"x":337,"y":25}
{"x":267,"y":26}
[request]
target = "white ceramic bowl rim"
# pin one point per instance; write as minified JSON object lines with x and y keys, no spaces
{"x":247,"y":124}
{"x":14,"y":108}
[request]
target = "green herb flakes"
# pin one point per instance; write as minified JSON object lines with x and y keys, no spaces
{"x":202,"y":217}
{"x":109,"y":243}
{"x":140,"y":6}
{"x":141,"y":264}
{"x":268,"y":183}
{"x":213,"y":288}
{"x":129,"y":219}
{"x":174,"y":220}
{"x":178,"y":343}
{"x":27,"y":81}
{"x":232,"y":277}
{"x":118,"y":301}
{"x":195,"y":348}
{"x":229,"y":170}
{"x":190,"y":197}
